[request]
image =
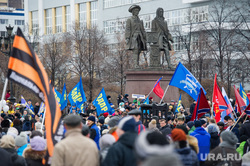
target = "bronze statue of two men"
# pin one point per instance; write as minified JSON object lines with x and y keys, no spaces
{"x":135,"y":34}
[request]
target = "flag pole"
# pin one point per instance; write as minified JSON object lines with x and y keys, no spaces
{"x":164,"y":93}
{"x":43,"y":120}
{"x":4,"y":88}
{"x":212,"y":109}
{"x":237,"y":120}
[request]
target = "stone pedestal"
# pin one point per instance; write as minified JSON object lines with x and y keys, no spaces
{"x":142,"y":82}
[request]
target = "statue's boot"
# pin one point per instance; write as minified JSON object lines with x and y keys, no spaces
{"x":136,"y":59}
{"x":170,"y":66}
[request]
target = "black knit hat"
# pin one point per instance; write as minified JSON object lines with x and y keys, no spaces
{"x":5,"y":123}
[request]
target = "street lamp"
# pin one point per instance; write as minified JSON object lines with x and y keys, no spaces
{"x":7,"y":44}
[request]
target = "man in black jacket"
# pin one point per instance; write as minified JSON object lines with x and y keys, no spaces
{"x":122,"y":152}
{"x":165,"y":128}
{"x":245,"y":128}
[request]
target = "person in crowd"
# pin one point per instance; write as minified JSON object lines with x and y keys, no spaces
{"x":136,"y":114}
{"x":5,"y":158}
{"x":234,"y":129}
{"x":125,"y":98}
{"x":112,"y":125}
{"x":8,"y":144}
{"x":105,"y":143}
{"x":30,"y":105}
{"x":102,"y":125}
{"x":21,"y":142}
{"x":188,"y":156}
{"x":26,"y":124}
{"x":13,"y":132}
{"x":193,"y":143}
{"x":75,"y":149}
{"x":85,"y":130}
{"x":119,"y":99}
{"x":121,"y":153}
{"x":17,"y":124}
{"x":215,"y":138}
{"x":245,"y":128}
{"x":35,"y":153}
{"x":5,"y":124}
{"x":203,"y":141}
{"x":190,"y":127}
{"x":180,"y":120}
{"x":225,"y":148}
{"x":221,"y":127}
{"x":192,"y":106}
{"x":226,"y":122}
{"x":94,"y":130}
{"x":7,"y":95}
{"x":240,"y":149}
{"x":36,"y":109}
{"x":164,"y":128}
{"x":152,"y":126}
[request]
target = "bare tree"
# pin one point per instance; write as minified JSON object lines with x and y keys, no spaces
{"x":89,"y":47}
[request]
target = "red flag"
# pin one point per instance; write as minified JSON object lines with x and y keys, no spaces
{"x":201,"y":107}
{"x":240,"y":102}
{"x":247,"y":110}
{"x":157,"y":89}
{"x":26,"y":69}
{"x":219,"y":103}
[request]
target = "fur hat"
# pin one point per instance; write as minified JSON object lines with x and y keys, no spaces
{"x":151,"y":143}
{"x":7,"y":141}
{"x":106,"y":141}
{"x":21,"y":139}
{"x":193,"y":143}
{"x":38,"y":143}
{"x":229,"y":137}
{"x":127,"y":124}
{"x":13,"y":132}
{"x":178,"y":135}
{"x":152,"y":124}
{"x":113,"y":121}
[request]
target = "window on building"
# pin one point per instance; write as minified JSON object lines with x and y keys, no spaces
{"x":93,"y":13}
{"x":3,"y":21}
{"x":34,"y":22}
{"x":19,"y":22}
{"x":82,"y":15}
{"x":3,"y":33}
{"x":48,"y":20}
{"x":58,"y":19}
{"x":178,"y":43}
{"x":68,"y":19}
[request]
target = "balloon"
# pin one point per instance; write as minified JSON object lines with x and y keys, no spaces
{"x":6,"y":108}
{"x":3,"y":102}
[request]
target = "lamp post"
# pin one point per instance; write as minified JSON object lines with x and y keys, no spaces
{"x":8,"y":44}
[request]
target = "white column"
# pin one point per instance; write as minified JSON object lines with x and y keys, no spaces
{"x":41,"y":17}
{"x":72,"y":11}
{"x":26,"y":13}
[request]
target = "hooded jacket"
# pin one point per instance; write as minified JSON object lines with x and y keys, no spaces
{"x":34,"y":158}
{"x":121,"y":153}
{"x":188,"y":156}
{"x":16,"y":159}
{"x":215,"y":140}
{"x":203,"y":142}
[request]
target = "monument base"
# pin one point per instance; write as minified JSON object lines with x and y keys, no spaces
{"x":141,"y":81}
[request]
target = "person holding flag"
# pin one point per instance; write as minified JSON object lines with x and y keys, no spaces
{"x":179,"y":106}
{"x":28,"y":105}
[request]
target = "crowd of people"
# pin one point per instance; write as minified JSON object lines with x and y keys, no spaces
{"x":125,"y":138}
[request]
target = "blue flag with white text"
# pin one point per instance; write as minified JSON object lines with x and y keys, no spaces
{"x":77,"y":96}
{"x":244,"y":95}
{"x":185,"y":80}
{"x":101,"y":103}
{"x":23,"y":101}
{"x":64,"y":100}
{"x":58,"y":97}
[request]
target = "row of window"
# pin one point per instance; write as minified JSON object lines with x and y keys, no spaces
{"x":59,"y":16}
{"x":17,"y":22}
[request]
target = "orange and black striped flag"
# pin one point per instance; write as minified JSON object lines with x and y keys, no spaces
{"x":26,"y":69}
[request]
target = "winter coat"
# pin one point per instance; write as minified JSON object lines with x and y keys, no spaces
{"x":165,"y":130}
{"x":191,"y":130}
{"x":34,"y":158}
{"x":19,"y":128}
{"x":215,"y":140}
{"x":103,"y":153}
{"x":203,"y":142}
{"x":21,"y":149}
{"x":122,"y":152}
{"x":139,"y":127}
{"x":188,"y":156}
{"x":240,"y":149}
{"x":217,"y":154}
{"x":235,"y":131}
{"x":75,"y":150}
{"x":5,"y":158}
{"x":245,"y":129}
{"x":16,"y":159}
{"x":27,"y":126}
{"x":95,"y":134}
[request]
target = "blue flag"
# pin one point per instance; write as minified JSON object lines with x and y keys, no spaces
{"x":178,"y":105}
{"x":23,"y":101}
{"x":101,"y":103}
{"x":244,"y":95}
{"x":63,"y":99}
{"x":185,"y":80}
{"x":77,"y":96}
{"x":41,"y":109}
{"x":58,"y":96}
